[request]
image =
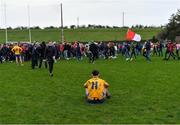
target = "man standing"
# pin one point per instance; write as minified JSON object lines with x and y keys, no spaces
{"x":78,"y":52}
{"x":17,"y":51}
{"x":41,"y":50}
{"x":5,"y":52}
{"x":160,"y":49}
{"x":170,"y":48}
{"x":93,"y":48}
{"x":148,"y":50}
{"x":50,"y":54}
{"x":112,"y":49}
{"x":133,"y":53}
{"x":35,"y":56}
{"x":127,"y":51}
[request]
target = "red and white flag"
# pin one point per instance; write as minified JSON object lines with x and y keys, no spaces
{"x":132,"y":36}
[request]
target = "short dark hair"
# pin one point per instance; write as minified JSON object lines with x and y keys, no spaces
{"x":95,"y":72}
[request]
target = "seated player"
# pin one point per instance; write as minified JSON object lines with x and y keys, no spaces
{"x":96,"y":89}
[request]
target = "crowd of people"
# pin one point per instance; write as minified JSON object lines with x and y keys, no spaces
{"x":52,"y":51}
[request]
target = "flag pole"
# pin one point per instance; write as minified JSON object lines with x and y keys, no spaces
{"x":5,"y":20}
{"x":2,"y":13}
{"x":62,"y":30}
{"x":123,"y":19}
{"x":29,"y":24}
{"x":77,"y":22}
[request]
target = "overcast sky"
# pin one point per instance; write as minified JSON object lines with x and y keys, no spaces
{"x":105,"y":12}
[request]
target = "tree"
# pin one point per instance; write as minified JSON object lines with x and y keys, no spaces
{"x":83,"y":26}
{"x":35,"y":27}
{"x":50,"y":27}
{"x":9,"y":28}
{"x":172,"y":29}
{"x":72,"y":26}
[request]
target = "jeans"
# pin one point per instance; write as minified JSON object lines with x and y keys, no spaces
{"x":78,"y":55}
{"x":127,"y":54}
{"x":148,"y":55}
{"x":65,"y":54}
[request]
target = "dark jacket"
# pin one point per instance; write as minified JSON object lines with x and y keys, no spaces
{"x":50,"y":52}
{"x":94,"y":48}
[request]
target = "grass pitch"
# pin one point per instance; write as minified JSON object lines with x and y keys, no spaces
{"x":142,"y":92}
{"x":71,"y":35}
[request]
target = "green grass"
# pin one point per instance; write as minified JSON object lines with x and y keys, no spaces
{"x":76,"y":34}
{"x":142,"y":92}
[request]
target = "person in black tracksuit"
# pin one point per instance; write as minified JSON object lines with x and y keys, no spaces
{"x":35,"y":55}
{"x":50,"y":55}
{"x":93,"y":48}
{"x":41,"y":50}
{"x":5,"y":52}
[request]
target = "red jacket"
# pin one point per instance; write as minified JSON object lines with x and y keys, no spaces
{"x":170,"y":47}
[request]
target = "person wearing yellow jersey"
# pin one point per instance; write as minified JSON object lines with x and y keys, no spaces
{"x":17,"y":51}
{"x":96,"y":89}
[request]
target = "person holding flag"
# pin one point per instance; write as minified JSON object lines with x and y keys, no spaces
{"x":132,"y":36}
{"x":133,"y":53}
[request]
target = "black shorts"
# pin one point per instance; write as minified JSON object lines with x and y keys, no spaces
{"x":96,"y":101}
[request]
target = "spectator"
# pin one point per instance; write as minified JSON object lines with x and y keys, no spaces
{"x":50,"y":55}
